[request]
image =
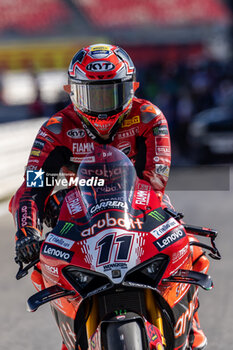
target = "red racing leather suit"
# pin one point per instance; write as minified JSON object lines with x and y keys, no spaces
{"x":63,"y":141}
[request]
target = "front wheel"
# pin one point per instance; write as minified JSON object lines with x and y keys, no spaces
{"x":124,"y":332}
{"x":124,"y":336}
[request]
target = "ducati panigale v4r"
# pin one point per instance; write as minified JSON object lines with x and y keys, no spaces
{"x":117,"y":268}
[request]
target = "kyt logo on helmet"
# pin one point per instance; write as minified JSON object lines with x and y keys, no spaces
{"x":102,"y":82}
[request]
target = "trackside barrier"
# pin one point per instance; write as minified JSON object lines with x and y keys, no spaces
{"x":16,"y":140}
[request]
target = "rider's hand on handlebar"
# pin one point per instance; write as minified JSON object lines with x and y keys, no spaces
{"x":27,"y":244}
{"x":53,"y":207}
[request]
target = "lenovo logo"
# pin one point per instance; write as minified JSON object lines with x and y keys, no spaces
{"x":53,"y":251}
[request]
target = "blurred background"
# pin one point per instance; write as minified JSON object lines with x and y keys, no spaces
{"x":182,"y":50}
{"x":183,"y":53}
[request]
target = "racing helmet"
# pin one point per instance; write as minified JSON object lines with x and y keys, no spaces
{"x":101,"y":87}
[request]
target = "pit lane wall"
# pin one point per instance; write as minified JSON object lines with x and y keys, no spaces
{"x":16,"y":140}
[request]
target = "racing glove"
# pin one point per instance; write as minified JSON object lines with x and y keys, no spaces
{"x":27,"y":244}
{"x":53,"y":207}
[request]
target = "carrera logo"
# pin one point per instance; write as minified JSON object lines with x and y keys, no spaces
{"x":100,"y":66}
{"x":164,"y":228}
{"x":59,"y":241}
{"x":169,"y":239}
{"x":54,"y":252}
{"x":76,"y":133}
{"x":112,"y":204}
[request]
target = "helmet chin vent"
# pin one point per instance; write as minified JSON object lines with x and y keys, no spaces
{"x":102,"y":116}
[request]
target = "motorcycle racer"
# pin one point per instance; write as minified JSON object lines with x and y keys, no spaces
{"x":104,"y":109}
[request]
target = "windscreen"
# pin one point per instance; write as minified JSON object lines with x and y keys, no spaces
{"x":108,"y":178}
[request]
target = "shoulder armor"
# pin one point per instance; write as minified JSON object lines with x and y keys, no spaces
{"x":149,"y":112}
{"x":54,"y":125}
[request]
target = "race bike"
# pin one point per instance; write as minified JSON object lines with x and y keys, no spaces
{"x":117,"y":267}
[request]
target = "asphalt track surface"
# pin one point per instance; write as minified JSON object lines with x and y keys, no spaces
{"x":21,"y":330}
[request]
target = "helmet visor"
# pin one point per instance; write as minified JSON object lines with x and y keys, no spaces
{"x":102,"y":98}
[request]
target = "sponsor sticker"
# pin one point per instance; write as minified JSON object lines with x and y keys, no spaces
{"x":51,"y":269}
{"x":100,"y":66}
{"x":110,"y":267}
{"x":58,"y":253}
{"x":66,"y":228}
{"x":76,"y":133}
{"x":162,"y":169}
{"x":142,"y":197}
{"x":38,"y":144}
{"x":107,"y":204}
{"x":80,"y":159}
{"x":164,"y":228}
{"x":157,"y":216}
{"x":127,"y":133}
{"x":162,"y":150}
{"x":160,"y":130}
{"x":83,"y":147}
{"x":103,"y":126}
{"x":33,"y":161}
{"x":24,"y":217}
{"x":129,"y":122}
{"x":125,"y":147}
{"x":100,"y":51}
{"x":35,"y":153}
{"x":170,"y":238}
{"x":73,"y":204}
{"x":179,"y":255}
{"x":100,"y":48}
{"x":59,"y":241}
{"x":108,"y":221}
{"x":42,"y":133}
{"x":143,"y":187}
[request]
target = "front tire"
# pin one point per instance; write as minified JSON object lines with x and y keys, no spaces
{"x":124,"y":336}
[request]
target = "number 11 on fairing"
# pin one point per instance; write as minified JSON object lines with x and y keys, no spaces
{"x":105,"y":247}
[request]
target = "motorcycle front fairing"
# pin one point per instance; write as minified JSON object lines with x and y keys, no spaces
{"x":112,"y":236}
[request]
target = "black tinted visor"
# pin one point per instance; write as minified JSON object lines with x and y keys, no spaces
{"x":102,"y":98}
